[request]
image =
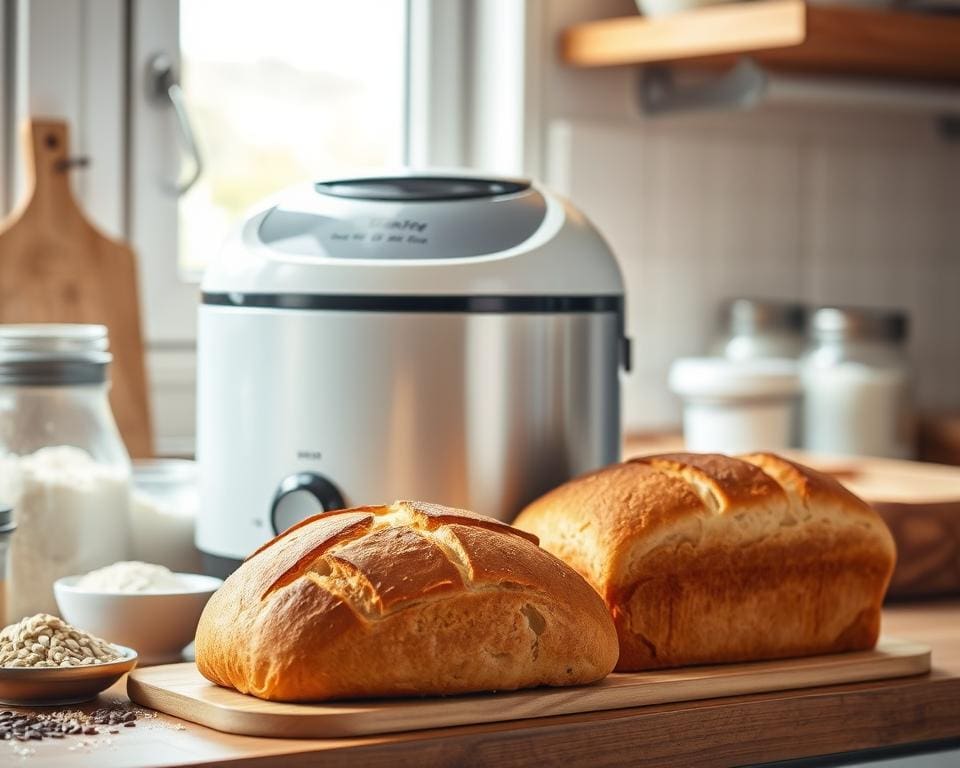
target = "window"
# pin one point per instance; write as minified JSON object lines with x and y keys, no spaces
{"x":283,"y":93}
{"x":277,"y":93}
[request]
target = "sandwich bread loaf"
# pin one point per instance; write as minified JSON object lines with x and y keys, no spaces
{"x":706,"y":558}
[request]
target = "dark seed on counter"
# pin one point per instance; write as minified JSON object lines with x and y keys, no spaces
{"x":57,"y":725}
{"x":130,"y":724}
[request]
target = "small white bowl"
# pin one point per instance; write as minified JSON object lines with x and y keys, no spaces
{"x":158,"y":625}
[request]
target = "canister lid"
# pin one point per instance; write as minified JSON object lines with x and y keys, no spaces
{"x":750,"y":316}
{"x":6,"y":519}
{"x":858,"y":323}
{"x":721,"y":378}
{"x":53,"y":354}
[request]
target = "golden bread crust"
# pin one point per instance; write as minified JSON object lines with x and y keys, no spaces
{"x":706,"y":558}
{"x":409,"y":599}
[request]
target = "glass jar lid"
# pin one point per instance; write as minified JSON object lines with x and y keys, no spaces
{"x":858,"y":324}
{"x":53,"y":354}
{"x":164,"y":471}
{"x":751,"y":317}
{"x":6,"y":519}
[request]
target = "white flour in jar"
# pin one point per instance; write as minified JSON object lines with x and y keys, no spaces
{"x":162,"y":531}
{"x":72,"y":516}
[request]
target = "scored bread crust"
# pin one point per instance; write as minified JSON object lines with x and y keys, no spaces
{"x":406,"y":599}
{"x":705,"y":558}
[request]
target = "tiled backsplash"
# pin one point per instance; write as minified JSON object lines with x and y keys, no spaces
{"x":821,"y":206}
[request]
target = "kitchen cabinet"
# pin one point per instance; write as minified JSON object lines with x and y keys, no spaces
{"x":781,"y":35}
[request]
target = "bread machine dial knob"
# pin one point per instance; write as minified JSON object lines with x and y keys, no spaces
{"x":301,"y":495}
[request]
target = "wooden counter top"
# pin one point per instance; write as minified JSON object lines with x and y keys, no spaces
{"x":721,"y":732}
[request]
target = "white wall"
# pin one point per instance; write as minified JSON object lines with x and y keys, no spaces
{"x":821,"y":204}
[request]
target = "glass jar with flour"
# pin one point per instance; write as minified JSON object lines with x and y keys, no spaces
{"x":163,"y":514}
{"x":63,"y":465}
{"x":856,"y":384}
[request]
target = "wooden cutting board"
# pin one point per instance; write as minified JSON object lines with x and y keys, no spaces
{"x":57,"y":267}
{"x":180,"y":690}
{"x":921,"y":504}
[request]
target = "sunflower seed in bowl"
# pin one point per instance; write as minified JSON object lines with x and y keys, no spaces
{"x":44,"y":660}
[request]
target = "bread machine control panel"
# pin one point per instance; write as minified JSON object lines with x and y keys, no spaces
{"x":398,"y":218}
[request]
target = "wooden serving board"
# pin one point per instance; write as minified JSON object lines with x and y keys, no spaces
{"x":180,"y":690}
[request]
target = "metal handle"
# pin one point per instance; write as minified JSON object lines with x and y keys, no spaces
{"x":163,"y":86}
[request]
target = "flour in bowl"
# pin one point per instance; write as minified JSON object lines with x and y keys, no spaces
{"x":132,"y":576}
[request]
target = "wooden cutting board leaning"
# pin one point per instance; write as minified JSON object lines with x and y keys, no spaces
{"x":180,"y":690}
{"x":57,"y":267}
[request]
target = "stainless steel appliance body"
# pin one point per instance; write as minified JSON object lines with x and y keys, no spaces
{"x":480,"y":389}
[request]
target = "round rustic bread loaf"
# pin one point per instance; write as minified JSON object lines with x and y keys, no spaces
{"x":706,"y":558}
{"x":406,"y":599}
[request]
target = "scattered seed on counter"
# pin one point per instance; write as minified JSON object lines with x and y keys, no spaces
{"x":19,"y":726}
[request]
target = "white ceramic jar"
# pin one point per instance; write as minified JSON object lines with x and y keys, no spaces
{"x":736,"y":406}
{"x":856,"y":384}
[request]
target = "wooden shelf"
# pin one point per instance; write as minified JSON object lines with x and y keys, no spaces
{"x":780,"y":34}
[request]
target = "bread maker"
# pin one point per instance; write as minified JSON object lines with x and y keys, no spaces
{"x":447,"y":338}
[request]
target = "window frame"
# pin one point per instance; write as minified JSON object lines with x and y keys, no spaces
{"x":6,"y":104}
{"x":169,"y":302}
{"x":169,"y":298}
{"x":66,"y":60}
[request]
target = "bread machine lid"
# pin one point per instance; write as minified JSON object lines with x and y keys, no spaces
{"x":415,"y":234}
{"x":398,"y":218}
